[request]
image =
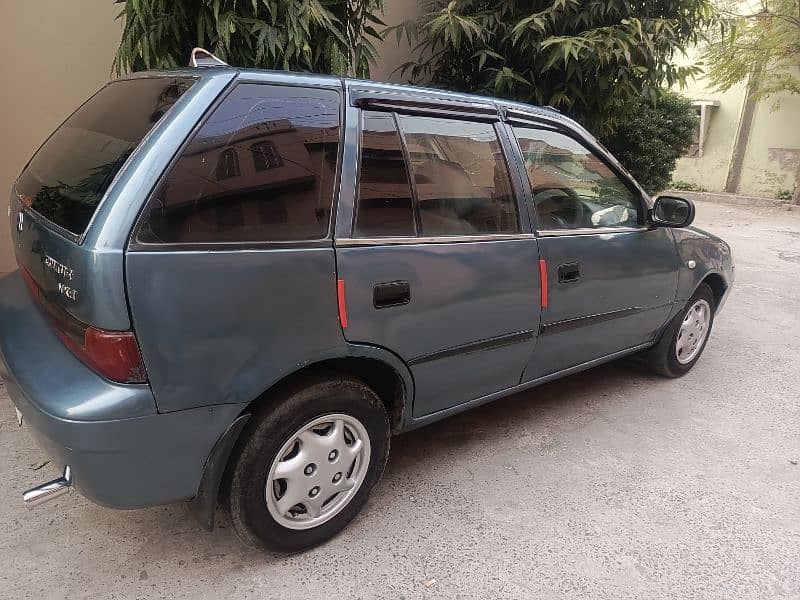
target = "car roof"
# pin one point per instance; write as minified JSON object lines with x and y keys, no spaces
{"x":351,"y":83}
{"x":391,"y":90}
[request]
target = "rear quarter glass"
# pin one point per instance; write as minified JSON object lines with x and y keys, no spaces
{"x":68,"y":176}
{"x":260,"y":169}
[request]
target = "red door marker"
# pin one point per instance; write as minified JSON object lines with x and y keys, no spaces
{"x":543,"y":278}
{"x":342,"y":304}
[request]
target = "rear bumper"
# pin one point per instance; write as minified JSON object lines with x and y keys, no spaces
{"x":120,"y":451}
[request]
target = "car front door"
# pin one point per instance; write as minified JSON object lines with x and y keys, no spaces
{"x":438,"y":264}
{"x":611,"y":280}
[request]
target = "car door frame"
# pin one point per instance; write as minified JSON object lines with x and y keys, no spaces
{"x":553,"y":120}
{"x":548,"y":119}
{"x":368,"y":96}
{"x":364,"y":95}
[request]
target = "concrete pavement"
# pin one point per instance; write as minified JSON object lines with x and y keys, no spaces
{"x":613,"y":483}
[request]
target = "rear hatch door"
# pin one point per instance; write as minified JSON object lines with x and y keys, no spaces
{"x":54,"y":201}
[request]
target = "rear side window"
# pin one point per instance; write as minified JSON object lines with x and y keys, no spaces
{"x":384,"y":195}
{"x":66,"y":179}
{"x":460,"y":177}
{"x":432,"y":177}
{"x":261,"y":168}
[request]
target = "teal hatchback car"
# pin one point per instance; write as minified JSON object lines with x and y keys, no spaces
{"x":236,"y":284}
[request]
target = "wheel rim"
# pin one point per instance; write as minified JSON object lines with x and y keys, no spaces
{"x":318,"y":471}
{"x":693,"y":332}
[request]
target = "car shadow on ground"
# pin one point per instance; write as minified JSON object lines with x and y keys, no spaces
{"x":412,"y":450}
{"x":412,"y":456}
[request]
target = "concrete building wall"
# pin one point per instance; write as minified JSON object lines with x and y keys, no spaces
{"x":773,"y":146}
{"x":773,"y":152}
{"x":391,"y":53}
{"x":711,"y":169}
{"x":55,"y":54}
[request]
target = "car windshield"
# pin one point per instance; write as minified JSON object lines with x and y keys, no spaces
{"x":66,"y":179}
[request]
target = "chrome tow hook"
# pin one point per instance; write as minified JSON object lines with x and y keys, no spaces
{"x":48,"y":491}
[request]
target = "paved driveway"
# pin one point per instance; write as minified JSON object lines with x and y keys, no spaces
{"x":612,"y":483}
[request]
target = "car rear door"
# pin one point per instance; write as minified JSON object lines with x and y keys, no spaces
{"x":435,"y":259}
{"x":611,"y":280}
{"x":231,"y":268}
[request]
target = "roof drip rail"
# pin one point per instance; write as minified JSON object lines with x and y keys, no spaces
{"x":432,"y":106}
{"x":201,"y":57}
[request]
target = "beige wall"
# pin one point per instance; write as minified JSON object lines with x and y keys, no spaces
{"x":393,"y":55}
{"x":773,"y":152}
{"x":55,"y":53}
{"x":773,"y":148}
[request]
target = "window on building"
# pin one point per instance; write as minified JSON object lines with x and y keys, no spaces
{"x":228,"y":164}
{"x":265,"y":156}
{"x":694,"y":150}
{"x":704,"y":109}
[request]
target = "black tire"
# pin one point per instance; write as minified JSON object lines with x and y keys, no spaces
{"x":662,"y":358}
{"x":292,"y":408}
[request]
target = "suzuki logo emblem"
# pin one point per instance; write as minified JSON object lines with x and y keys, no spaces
{"x":20,"y":220}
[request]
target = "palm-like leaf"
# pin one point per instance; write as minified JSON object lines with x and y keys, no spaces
{"x":325,"y":36}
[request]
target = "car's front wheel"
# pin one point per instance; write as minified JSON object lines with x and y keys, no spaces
{"x":308,"y":464}
{"x":685,"y":337}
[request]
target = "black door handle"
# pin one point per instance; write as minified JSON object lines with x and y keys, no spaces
{"x":569,"y":272}
{"x":391,"y":293}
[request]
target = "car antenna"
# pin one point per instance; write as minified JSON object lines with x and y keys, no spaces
{"x":201,"y":57}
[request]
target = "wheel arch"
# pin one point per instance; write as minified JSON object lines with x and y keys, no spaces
{"x":377,"y":367}
{"x":718,"y":286}
{"x":392,"y":382}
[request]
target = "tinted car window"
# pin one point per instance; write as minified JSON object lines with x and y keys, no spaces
{"x":460,"y":176}
{"x":572,"y":187}
{"x":261,"y":168}
{"x":384,"y":194}
{"x":66,"y":179}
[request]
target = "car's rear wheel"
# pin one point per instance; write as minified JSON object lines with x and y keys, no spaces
{"x":308,"y":463}
{"x":685,"y":337}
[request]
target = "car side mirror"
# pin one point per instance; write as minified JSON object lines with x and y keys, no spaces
{"x":671,"y":211}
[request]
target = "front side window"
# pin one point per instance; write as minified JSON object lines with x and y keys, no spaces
{"x":460,"y":177}
{"x":261,"y":168}
{"x":572,"y":187}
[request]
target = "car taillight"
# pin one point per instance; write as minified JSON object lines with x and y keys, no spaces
{"x":113,"y":354}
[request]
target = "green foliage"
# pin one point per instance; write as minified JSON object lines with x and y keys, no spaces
{"x":765,"y":42}
{"x":324,"y":36}
{"x":650,"y":138}
{"x":785,"y":195}
{"x":590,"y":59}
{"x":686,"y":186}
